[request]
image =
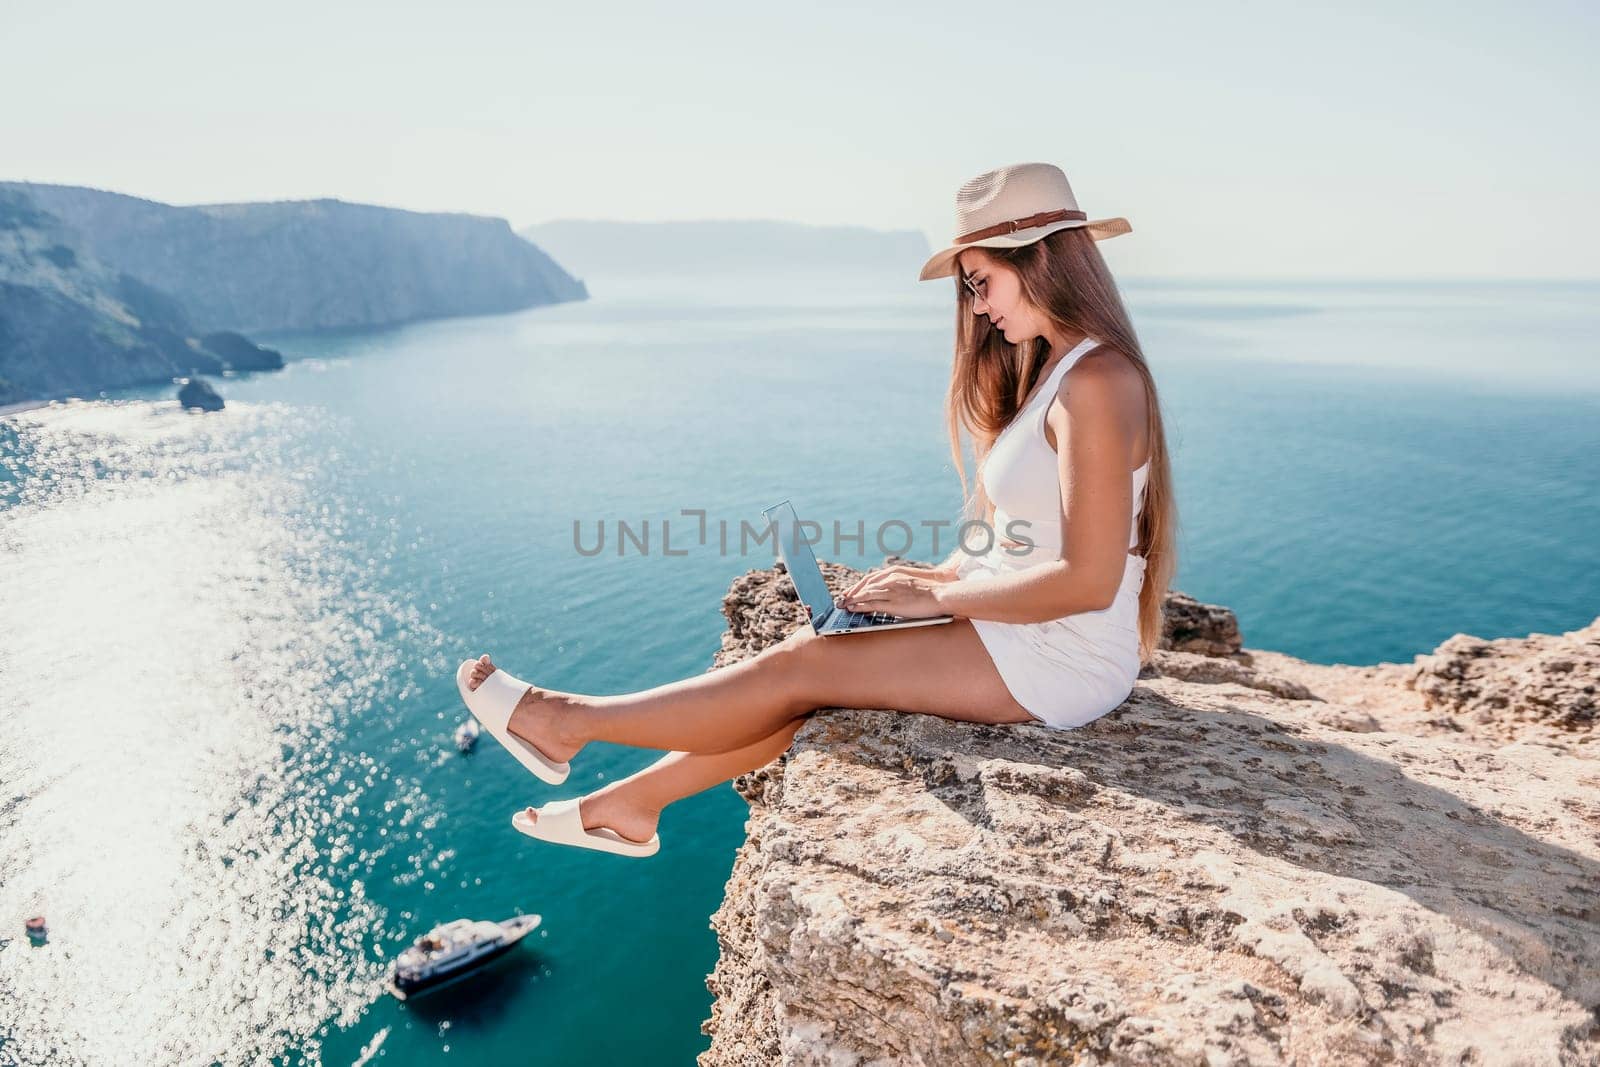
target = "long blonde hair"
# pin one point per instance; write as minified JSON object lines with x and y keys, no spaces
{"x":1064,"y":276}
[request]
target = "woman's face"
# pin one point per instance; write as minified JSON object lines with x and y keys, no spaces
{"x":1001,"y":300}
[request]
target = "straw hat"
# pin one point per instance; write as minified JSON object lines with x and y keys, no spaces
{"x":1012,"y":207}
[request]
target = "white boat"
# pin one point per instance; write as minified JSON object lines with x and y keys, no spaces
{"x":447,"y":952}
{"x":467,"y":735}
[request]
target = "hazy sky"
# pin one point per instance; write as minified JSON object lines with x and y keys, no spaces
{"x":1251,"y":140}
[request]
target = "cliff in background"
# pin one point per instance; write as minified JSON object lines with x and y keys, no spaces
{"x":70,"y":325}
{"x":673,"y":249}
{"x":310,"y":264}
{"x":1253,"y":860}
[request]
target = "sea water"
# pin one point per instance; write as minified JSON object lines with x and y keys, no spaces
{"x":228,"y":642}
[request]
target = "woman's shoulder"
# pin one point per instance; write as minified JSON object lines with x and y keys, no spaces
{"x":1103,"y":376}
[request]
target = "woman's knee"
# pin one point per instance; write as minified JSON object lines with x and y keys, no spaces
{"x":798,"y":645}
{"x":794,"y":660}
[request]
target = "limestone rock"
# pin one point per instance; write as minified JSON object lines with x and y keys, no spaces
{"x":1542,"y":679}
{"x":1204,"y":628}
{"x":1261,"y":862}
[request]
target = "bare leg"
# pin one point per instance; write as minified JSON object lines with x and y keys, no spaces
{"x":938,"y":670}
{"x":633,"y":805}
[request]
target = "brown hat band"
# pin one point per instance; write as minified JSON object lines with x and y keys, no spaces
{"x":1044,"y":218}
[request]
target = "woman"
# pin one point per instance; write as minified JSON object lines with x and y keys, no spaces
{"x":1053,"y":620}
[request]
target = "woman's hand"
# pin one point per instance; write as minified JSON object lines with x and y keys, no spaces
{"x":910,"y":592}
{"x":937,"y":574}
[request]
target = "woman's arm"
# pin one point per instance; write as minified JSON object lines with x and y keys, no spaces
{"x":946,"y":571}
{"x":1096,"y":430}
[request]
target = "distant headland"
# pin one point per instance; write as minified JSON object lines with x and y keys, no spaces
{"x":99,"y":290}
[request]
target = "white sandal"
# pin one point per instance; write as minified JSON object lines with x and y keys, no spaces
{"x":560,"y":823}
{"x":492,"y":704}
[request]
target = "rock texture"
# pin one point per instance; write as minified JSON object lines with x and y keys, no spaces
{"x":1504,"y":686}
{"x":1253,"y":860}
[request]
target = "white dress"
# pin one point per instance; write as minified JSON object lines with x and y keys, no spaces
{"x":1072,"y":670}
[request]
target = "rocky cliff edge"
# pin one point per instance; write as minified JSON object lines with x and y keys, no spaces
{"x":1253,"y":860}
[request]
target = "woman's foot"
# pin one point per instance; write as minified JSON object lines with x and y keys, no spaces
{"x":537,"y":717}
{"x":612,"y":807}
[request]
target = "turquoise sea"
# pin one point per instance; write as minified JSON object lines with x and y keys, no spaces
{"x":226,"y":658}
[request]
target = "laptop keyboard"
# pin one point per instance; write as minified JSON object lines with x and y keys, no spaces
{"x":863,"y":618}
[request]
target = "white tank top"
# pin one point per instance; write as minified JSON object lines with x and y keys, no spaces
{"x":1022,"y":476}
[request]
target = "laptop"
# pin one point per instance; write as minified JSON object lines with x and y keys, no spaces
{"x":827,"y":618}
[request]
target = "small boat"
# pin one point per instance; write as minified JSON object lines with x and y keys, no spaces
{"x":467,"y":735}
{"x":459,"y":947}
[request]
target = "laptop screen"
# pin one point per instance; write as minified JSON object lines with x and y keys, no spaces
{"x":796,"y":555}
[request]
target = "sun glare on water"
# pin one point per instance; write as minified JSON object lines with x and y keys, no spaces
{"x":186,"y":647}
